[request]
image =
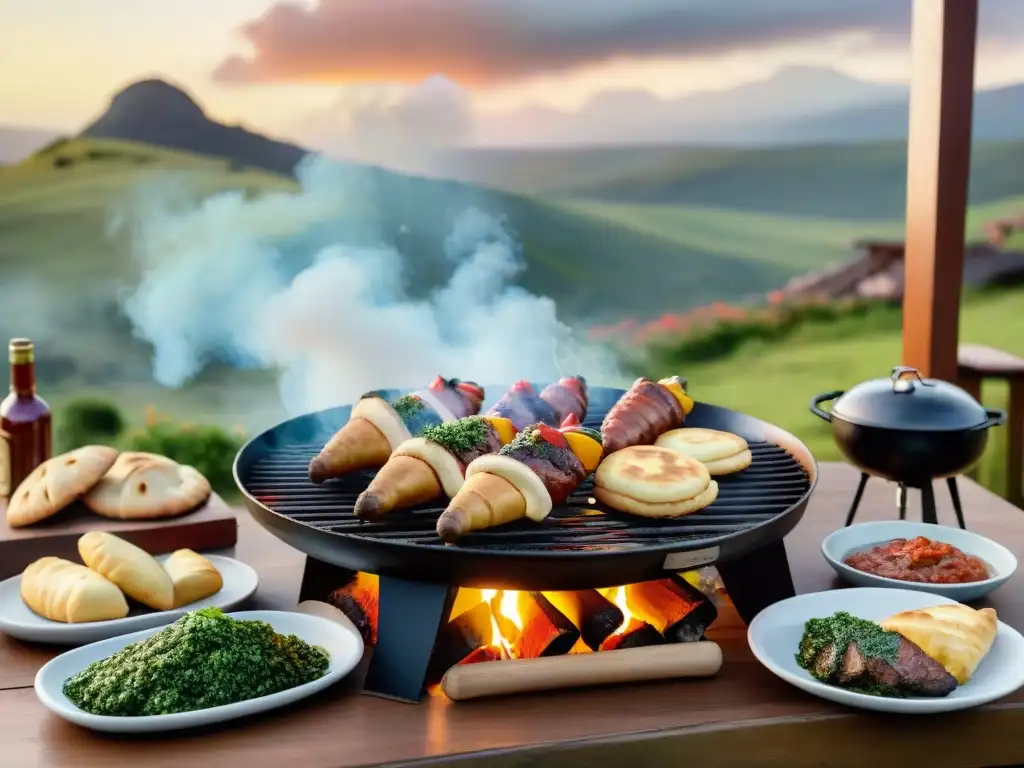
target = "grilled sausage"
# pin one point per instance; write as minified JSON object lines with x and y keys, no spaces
{"x":642,"y":414}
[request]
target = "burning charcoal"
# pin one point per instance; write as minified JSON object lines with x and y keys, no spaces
{"x":487,"y":653}
{"x":594,"y":615}
{"x":679,"y":611}
{"x":636,"y":634}
{"x":359,"y":601}
{"x":460,"y":638}
{"x":531,"y":626}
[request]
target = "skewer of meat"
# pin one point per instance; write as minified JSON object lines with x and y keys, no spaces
{"x":526,"y":478}
{"x":375,"y":426}
{"x":425,"y":467}
{"x":644,"y":412}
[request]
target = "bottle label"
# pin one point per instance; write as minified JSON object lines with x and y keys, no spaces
{"x":5,"y":464}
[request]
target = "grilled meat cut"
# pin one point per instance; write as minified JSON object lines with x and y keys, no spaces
{"x":852,"y":653}
{"x":644,"y":412}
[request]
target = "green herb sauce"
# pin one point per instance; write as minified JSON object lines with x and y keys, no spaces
{"x":839,"y":630}
{"x":205,"y":659}
{"x":459,"y":436}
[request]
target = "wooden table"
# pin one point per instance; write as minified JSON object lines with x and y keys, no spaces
{"x":745,"y":716}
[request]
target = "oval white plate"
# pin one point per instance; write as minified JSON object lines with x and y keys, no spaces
{"x":344,"y":648}
{"x":775,"y":633}
{"x":17,"y":620}
{"x":844,"y":541}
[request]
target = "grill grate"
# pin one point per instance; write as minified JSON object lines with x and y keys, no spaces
{"x":773,"y":483}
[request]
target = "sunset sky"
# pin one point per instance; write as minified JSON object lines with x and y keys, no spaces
{"x":278,"y":65}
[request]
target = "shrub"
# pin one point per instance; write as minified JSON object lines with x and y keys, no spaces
{"x":208,"y":448}
{"x":87,"y":421}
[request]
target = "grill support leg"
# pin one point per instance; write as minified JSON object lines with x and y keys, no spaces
{"x":928,"y":512}
{"x":411,"y":615}
{"x":856,"y":498}
{"x":758,"y":579}
{"x":954,"y":494}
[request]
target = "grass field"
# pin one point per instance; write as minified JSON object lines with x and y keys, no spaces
{"x":54,"y":225}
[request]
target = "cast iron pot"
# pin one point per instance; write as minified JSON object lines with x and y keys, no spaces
{"x":908,"y":429}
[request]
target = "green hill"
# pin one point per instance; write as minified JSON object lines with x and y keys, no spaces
{"x":850,"y":182}
{"x":54,"y":210}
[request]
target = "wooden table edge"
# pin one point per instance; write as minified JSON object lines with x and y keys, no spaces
{"x":763,"y":741}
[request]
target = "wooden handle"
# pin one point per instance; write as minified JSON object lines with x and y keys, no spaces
{"x":329,"y":612}
{"x":655,"y":662}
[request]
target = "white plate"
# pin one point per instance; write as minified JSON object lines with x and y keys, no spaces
{"x":17,"y":620}
{"x":344,"y":648}
{"x":841,"y":543}
{"x":775,"y":633}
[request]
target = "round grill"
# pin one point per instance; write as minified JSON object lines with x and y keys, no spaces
{"x":582,"y":544}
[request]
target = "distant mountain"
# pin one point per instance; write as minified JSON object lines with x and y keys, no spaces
{"x":747,"y":114}
{"x":156,"y":112}
{"x":998,"y":116}
{"x":17,"y":143}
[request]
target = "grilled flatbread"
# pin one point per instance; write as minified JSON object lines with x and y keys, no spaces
{"x":56,"y":483}
{"x":658,"y":509}
{"x":142,"y":486}
{"x":957,"y":636}
{"x":647,"y":473}
{"x":704,"y":445}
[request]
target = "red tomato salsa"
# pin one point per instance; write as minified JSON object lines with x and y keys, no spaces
{"x":921,"y":560}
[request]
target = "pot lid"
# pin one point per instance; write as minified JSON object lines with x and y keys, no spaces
{"x":906,"y":401}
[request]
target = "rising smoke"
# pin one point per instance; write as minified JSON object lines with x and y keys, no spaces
{"x":294,"y":282}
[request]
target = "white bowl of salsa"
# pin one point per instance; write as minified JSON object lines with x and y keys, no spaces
{"x":881,"y":559}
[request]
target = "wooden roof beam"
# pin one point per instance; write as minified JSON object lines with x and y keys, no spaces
{"x":938,"y":170}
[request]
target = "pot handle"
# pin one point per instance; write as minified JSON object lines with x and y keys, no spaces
{"x":817,"y":400}
{"x":996,"y":418}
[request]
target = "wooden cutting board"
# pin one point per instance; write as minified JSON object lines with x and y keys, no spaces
{"x":212,"y":526}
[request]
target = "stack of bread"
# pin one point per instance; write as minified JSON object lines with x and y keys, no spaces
{"x":650,"y":481}
{"x":115,"y":570}
{"x":722,"y":453}
{"x":125,"y":486}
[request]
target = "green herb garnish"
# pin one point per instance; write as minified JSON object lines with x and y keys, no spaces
{"x":204,"y":659}
{"x":459,"y":436}
{"x":408,"y":406}
{"x":529,"y":438}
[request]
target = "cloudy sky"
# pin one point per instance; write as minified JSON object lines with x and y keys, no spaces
{"x":286,"y":66}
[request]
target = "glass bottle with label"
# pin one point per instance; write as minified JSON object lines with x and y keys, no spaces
{"x":25,"y":440}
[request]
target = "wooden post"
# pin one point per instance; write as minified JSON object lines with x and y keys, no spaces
{"x":938,"y":170}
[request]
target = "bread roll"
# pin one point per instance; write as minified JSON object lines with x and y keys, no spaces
{"x":194,"y":577}
{"x":134,"y":570}
{"x":56,"y":483}
{"x":142,"y":486}
{"x":955,"y":635}
{"x":60,"y":590}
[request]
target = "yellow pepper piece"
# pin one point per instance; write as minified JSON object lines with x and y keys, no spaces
{"x":677,"y":389}
{"x":586,"y":448}
{"x":506,"y":432}
{"x":692,"y":578}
